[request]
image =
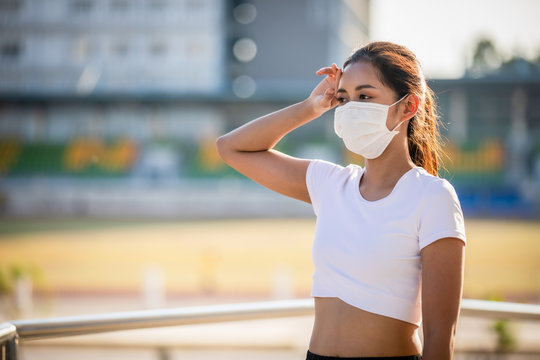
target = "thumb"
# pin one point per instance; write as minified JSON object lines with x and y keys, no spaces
{"x":328,"y":97}
{"x":329,"y":93}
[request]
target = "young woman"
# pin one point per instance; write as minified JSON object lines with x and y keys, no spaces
{"x":390,"y":238}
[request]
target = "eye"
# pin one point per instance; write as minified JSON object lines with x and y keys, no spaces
{"x":342,"y":100}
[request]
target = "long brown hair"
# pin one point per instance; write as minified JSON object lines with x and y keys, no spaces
{"x":398,"y":68}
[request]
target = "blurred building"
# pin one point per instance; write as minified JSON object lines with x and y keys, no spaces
{"x":89,"y":47}
{"x":492,"y":123}
{"x":112,"y":107}
{"x":179,"y":48}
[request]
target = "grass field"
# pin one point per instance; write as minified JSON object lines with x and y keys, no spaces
{"x":256,"y":256}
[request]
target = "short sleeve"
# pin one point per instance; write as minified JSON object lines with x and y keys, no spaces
{"x":319,"y":175}
{"x":441,"y":215}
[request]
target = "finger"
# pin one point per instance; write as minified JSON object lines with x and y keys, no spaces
{"x":332,"y":70}
{"x":324,"y":71}
{"x":328,"y":74}
{"x":338,"y":78}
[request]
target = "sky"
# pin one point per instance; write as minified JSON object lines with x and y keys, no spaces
{"x":442,"y":34}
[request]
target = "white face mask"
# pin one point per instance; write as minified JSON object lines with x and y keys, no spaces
{"x":362,"y":126}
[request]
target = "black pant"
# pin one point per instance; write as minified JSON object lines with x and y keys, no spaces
{"x":312,"y":356}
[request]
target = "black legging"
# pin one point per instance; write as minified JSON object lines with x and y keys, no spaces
{"x":312,"y":356}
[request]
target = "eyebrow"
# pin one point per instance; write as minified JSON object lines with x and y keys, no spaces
{"x":359,"y":87}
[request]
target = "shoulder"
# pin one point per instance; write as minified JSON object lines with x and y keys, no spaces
{"x":434,"y":186}
{"x":439,"y":213}
{"x":323,"y":176}
{"x":324,"y":168}
{"x":325,"y":164}
{"x":432,"y":192}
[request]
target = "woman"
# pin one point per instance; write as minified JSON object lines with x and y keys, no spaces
{"x":389,"y":240}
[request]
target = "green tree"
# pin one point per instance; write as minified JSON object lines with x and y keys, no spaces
{"x":486,"y":57}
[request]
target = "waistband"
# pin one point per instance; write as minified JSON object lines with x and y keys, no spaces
{"x":313,"y":356}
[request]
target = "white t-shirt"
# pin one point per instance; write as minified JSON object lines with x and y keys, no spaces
{"x":367,"y":253}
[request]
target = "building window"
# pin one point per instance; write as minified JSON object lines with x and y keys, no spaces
{"x":81,"y":49}
{"x":194,"y":5}
{"x":120,"y":49}
{"x":10,"y":50}
{"x":120,"y":5}
{"x":10,"y":5}
{"x":195,"y":47}
{"x":81,"y":6}
{"x":158,"y":48}
{"x":157,"y":5}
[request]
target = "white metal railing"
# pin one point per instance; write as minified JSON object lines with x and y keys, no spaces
{"x":8,"y":341}
{"x":11,"y":332}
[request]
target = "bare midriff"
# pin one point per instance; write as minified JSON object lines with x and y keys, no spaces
{"x":344,"y":330}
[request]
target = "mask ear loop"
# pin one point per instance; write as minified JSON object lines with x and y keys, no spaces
{"x":398,"y":125}
{"x":401,"y":122}
{"x":399,"y":100}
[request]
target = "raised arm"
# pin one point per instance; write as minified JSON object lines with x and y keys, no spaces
{"x":249,"y":148}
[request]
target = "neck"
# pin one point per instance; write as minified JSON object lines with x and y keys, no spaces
{"x":385,"y":170}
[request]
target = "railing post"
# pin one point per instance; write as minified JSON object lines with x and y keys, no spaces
{"x":9,"y":341}
{"x":12,"y":348}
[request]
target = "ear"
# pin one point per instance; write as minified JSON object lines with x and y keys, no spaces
{"x":411,"y":103}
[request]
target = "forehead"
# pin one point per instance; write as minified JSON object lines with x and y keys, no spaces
{"x":357,"y":74}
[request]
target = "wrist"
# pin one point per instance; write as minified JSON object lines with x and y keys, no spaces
{"x":309,"y":109}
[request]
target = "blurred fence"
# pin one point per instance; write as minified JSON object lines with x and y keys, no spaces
{"x":77,"y":173}
{"x":10,"y":333}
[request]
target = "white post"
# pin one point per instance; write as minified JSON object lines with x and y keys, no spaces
{"x":153,"y":289}
{"x":282,"y":283}
{"x":23,"y":296}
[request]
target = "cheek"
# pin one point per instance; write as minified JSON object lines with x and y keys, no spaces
{"x":391,"y":120}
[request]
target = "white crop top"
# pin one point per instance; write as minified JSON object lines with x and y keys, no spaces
{"x":367,"y":253}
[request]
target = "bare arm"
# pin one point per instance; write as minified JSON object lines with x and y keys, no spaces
{"x":249,"y":148}
{"x":442,"y":288}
